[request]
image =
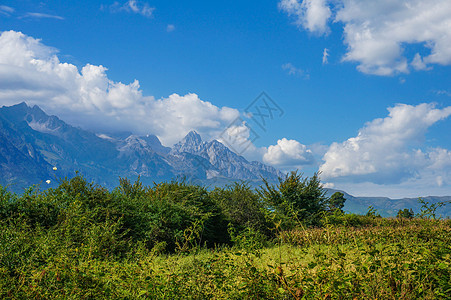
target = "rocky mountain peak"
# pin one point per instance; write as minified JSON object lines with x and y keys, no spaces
{"x":15,"y":113}
{"x":192,"y":138}
{"x":191,"y":143}
{"x":155,"y":144}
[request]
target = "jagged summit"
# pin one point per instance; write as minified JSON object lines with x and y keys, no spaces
{"x":225,"y":162}
{"x":190,"y":143}
{"x":22,"y":109}
{"x":16,"y":112}
{"x":192,"y":138}
{"x":19,"y":106}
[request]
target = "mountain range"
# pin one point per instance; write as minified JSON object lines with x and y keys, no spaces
{"x":36,"y":148}
{"x":388,"y":207}
{"x":33,"y":143}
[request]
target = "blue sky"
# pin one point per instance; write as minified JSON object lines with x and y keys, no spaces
{"x":199,"y":64}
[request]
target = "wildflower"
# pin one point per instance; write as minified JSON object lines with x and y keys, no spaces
{"x":48,"y":181}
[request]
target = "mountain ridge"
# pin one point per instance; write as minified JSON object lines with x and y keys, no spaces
{"x":389,"y":207}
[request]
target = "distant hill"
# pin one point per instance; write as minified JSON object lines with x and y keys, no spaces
{"x":387,"y":207}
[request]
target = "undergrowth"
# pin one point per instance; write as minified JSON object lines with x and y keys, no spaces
{"x":178,"y":241}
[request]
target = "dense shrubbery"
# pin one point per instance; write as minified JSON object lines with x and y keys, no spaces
{"x":80,"y":241}
{"x":173,"y":215}
{"x":295,"y":200}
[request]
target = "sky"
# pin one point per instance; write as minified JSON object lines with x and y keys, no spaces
{"x":357,"y":90}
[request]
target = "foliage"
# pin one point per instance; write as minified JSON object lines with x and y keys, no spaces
{"x":428,"y":210}
{"x":242,"y":207}
{"x":171,"y":213}
{"x":405,"y":213}
{"x":338,"y":217}
{"x":295,"y":199}
{"x":399,"y":259}
{"x":337,"y":201}
{"x":180,"y":241}
{"x":372,"y":212}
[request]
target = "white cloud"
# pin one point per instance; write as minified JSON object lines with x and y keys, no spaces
{"x":42,"y":16}
{"x":310,"y":14}
{"x":377,"y":32}
{"x":443,"y":92}
{"x":32,"y":72}
{"x":440,"y":158}
{"x":6,"y":10}
{"x":292,"y":70}
{"x":412,"y":188}
{"x":325,"y":56}
{"x":133,"y":6}
{"x":328,"y":185}
{"x":418,"y":63}
{"x":170,"y":28}
{"x":288,"y":154}
{"x":384,"y":150}
{"x":240,"y":137}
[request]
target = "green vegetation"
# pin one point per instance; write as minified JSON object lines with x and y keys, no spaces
{"x":180,"y":241}
{"x":405,"y":213}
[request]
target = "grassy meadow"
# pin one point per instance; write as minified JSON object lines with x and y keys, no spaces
{"x":180,"y":241}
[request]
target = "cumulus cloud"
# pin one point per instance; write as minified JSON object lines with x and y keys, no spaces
{"x":31,"y":71}
{"x":133,"y":6}
{"x":239,"y":137}
{"x":377,"y":32}
{"x":384,"y":150}
{"x":418,"y":63}
{"x":288,"y":154}
{"x":310,"y":14}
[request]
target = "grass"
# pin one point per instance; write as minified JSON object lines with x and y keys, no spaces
{"x":396,"y":259}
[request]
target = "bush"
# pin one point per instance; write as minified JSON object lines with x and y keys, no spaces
{"x":405,"y":213}
{"x":336,"y":201}
{"x":167,"y":212}
{"x":295,"y":200}
{"x":81,"y":241}
{"x":242,"y":207}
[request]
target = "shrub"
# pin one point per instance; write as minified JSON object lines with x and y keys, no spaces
{"x":295,"y":200}
{"x":405,"y":213}
{"x":167,"y":211}
{"x":242,"y":207}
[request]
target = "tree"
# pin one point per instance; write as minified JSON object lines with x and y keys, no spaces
{"x":337,"y":201}
{"x":405,"y":213}
{"x":241,"y":206}
{"x":295,"y":199}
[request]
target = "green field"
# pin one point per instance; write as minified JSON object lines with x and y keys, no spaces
{"x":179,"y":241}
